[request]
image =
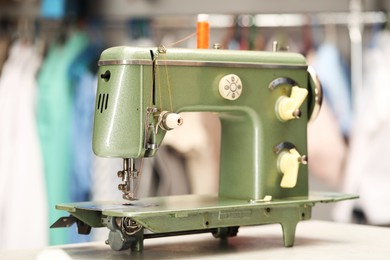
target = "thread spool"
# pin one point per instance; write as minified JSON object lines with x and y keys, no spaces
{"x":203,"y":31}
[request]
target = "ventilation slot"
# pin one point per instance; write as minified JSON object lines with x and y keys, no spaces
{"x":102,"y":102}
{"x":105,"y":105}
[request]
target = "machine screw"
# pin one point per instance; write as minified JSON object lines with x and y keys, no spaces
{"x":106,"y":75}
{"x":303,"y":159}
{"x":151,"y":110}
{"x":161,"y":49}
{"x":267,"y":211}
{"x":297,"y":113}
{"x":122,"y":187}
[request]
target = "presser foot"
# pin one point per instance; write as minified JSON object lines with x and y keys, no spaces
{"x":129,"y":176}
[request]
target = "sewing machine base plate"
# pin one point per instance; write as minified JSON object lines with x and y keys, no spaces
{"x":164,"y":216}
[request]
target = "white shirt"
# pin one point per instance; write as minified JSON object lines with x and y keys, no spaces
{"x":23,"y":206}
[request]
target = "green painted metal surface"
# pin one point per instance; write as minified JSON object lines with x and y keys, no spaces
{"x":133,"y":81}
{"x":197,"y":212}
{"x":185,"y":206}
{"x":250,"y":127}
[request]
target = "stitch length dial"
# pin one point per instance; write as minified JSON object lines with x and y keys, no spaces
{"x":230,"y":87}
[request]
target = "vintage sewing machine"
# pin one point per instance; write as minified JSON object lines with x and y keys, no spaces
{"x":264,"y":101}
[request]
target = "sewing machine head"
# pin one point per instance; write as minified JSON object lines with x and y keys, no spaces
{"x":263,"y":99}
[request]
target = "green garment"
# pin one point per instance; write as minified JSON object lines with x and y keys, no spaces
{"x":54,"y":109}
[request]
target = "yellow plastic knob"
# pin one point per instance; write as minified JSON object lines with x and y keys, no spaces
{"x":287,"y":107}
{"x":289,"y":165}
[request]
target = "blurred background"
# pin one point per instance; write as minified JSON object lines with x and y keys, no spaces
{"x":48,"y":60}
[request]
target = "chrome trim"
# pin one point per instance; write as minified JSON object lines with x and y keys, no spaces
{"x":317,"y":92}
{"x":124,"y":62}
{"x":189,"y":63}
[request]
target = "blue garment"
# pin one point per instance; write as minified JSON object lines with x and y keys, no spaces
{"x":84,"y":84}
{"x":83,"y":110}
{"x":54,"y":115}
{"x":82,"y":125}
{"x":336,"y":85}
{"x":53,"y":9}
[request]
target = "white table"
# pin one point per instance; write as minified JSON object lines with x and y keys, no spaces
{"x":314,"y":240}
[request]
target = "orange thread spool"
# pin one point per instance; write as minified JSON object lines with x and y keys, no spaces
{"x":202,"y":32}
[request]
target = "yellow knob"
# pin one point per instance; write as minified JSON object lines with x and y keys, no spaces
{"x":289,"y":165}
{"x":287,"y":107}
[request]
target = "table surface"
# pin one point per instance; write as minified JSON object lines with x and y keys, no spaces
{"x":314,"y":240}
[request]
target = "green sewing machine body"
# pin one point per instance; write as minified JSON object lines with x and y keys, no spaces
{"x":264,"y":101}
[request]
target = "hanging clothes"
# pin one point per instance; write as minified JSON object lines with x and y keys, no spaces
{"x":335,"y":82}
{"x":4,"y":45}
{"x":81,"y":140}
{"x":23,"y":206}
{"x":83,"y":109}
{"x":104,"y":186}
{"x":54,"y":125}
{"x":198,"y":141}
{"x":84,"y":83}
{"x":81,"y":149}
{"x":164,"y":175}
{"x":326,"y":144}
{"x":367,"y":170}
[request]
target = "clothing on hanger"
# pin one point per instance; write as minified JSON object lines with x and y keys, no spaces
{"x":335,"y":82}
{"x":84,"y":84}
{"x":22,"y":184}
{"x":4,"y":48}
{"x":198,"y":141}
{"x":81,"y":144}
{"x":367,"y":171}
{"x":326,"y":144}
{"x":81,"y":150}
{"x":54,"y":124}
